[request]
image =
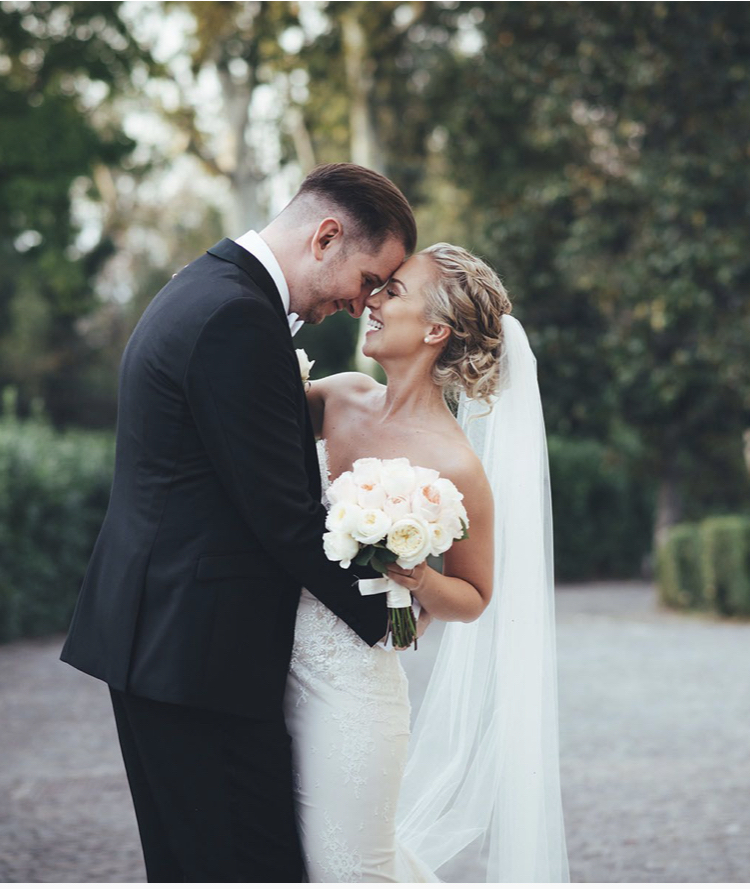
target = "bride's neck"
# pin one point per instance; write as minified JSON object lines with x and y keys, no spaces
{"x":411,"y":393}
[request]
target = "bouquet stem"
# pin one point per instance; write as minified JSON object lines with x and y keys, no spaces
{"x":403,"y":627}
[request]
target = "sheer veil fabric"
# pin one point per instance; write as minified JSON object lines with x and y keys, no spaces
{"x":481,"y":794}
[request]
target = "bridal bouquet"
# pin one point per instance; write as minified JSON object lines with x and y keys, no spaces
{"x":386,"y":511}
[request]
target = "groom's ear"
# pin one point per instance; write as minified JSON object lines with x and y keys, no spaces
{"x":327,"y":238}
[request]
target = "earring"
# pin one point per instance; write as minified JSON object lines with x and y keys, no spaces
{"x":427,"y":339}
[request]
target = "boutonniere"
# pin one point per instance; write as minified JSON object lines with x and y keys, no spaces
{"x":305,"y":366}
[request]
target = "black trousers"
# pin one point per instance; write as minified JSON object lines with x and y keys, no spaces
{"x":212,"y":793}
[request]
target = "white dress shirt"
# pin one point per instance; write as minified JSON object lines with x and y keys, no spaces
{"x":254,"y":243}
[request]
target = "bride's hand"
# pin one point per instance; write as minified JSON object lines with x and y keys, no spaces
{"x":411,"y":578}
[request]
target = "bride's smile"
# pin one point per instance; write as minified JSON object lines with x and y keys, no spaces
{"x":397,"y":326}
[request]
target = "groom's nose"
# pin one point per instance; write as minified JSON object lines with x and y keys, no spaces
{"x":355,"y":307}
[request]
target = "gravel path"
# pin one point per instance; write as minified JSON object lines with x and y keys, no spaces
{"x":655,"y":740}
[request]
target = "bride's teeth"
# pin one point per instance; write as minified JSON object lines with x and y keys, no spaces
{"x":374,"y":325}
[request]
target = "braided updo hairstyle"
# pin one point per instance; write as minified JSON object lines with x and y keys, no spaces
{"x":467,"y":296}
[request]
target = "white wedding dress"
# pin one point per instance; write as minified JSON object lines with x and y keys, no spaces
{"x":347,"y":710}
{"x":478,"y":799}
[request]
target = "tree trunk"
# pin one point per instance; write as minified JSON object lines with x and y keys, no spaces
{"x":247,"y":209}
{"x":363,"y":144}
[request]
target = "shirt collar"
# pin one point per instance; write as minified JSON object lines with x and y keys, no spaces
{"x":254,"y":243}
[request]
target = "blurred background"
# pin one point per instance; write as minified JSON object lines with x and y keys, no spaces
{"x":597,"y":155}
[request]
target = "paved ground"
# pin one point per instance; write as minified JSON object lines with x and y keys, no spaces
{"x":655,"y":735}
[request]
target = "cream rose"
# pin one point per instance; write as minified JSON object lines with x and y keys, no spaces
{"x":342,"y":489}
{"x":340,"y":547}
{"x":398,"y":477}
{"x":396,"y":507}
{"x":366,"y":470}
{"x":426,"y":502}
{"x":305,"y":365}
{"x":441,"y":538}
{"x":409,"y":539}
{"x":372,"y":526}
{"x":370,"y":495}
{"x":343,"y":516}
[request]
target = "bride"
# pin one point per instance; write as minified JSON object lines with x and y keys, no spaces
{"x":479,"y":798}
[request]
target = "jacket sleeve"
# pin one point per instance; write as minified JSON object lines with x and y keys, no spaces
{"x":243,"y":389}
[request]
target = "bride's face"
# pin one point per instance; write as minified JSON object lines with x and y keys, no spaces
{"x":396,"y":324}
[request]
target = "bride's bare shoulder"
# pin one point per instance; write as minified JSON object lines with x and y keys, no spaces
{"x":460,"y":461}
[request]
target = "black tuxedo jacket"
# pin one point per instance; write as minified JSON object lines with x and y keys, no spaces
{"x":214,"y":521}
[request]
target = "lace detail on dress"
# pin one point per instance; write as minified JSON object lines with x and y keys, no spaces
{"x":325,"y":470}
{"x":340,"y":864}
{"x":347,"y":710}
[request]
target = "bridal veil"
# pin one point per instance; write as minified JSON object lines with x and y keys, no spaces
{"x":481,"y":794}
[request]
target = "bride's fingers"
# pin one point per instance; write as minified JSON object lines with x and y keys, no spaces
{"x":403,"y":577}
{"x":411,"y":578}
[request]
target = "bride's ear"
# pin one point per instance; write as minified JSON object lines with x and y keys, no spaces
{"x":437,"y":335}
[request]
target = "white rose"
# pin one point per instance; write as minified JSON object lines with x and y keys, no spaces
{"x":449,"y":493}
{"x":372,"y":526}
{"x":451,"y":523}
{"x":425,"y":476}
{"x":398,"y":477}
{"x":342,"y":489}
{"x":409,"y":539}
{"x":426,"y":502}
{"x":452,"y":514}
{"x":396,"y":507}
{"x":370,"y":495}
{"x":441,"y":539}
{"x":305,"y":365}
{"x":340,"y":547}
{"x":366,"y":470}
{"x":343,"y":516}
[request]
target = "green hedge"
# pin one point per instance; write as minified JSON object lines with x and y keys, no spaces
{"x":725,"y":544}
{"x":603,"y":514}
{"x":707,"y":565}
{"x":679,"y":568}
{"x":54,"y":489}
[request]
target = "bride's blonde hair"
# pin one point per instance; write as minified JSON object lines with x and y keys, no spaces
{"x":467,"y":296}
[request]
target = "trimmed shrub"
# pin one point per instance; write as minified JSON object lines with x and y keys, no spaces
{"x":54,"y":490}
{"x":725,"y":547}
{"x":679,"y":568}
{"x":603,"y":514}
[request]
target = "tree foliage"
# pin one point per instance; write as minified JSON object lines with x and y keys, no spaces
{"x":595,"y":153}
{"x":60,"y":63}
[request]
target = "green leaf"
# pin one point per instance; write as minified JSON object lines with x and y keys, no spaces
{"x":465,"y":528}
{"x":364,"y":555}
{"x":378,"y":564}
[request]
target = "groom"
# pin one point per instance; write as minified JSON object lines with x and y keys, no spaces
{"x":215,"y":523}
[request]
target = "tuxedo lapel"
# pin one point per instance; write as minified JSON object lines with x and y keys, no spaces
{"x":230,"y":251}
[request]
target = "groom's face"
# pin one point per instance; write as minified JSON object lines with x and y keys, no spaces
{"x":347,"y":275}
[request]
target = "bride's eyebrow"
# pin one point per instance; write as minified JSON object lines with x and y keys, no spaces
{"x":400,"y":284}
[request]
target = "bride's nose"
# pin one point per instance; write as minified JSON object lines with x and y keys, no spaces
{"x":373,"y":300}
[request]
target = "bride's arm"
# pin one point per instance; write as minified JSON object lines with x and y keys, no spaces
{"x":464,"y":590}
{"x":316,"y":401}
{"x":327,"y":389}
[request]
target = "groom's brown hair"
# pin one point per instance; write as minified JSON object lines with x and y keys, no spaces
{"x":377,"y":208}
